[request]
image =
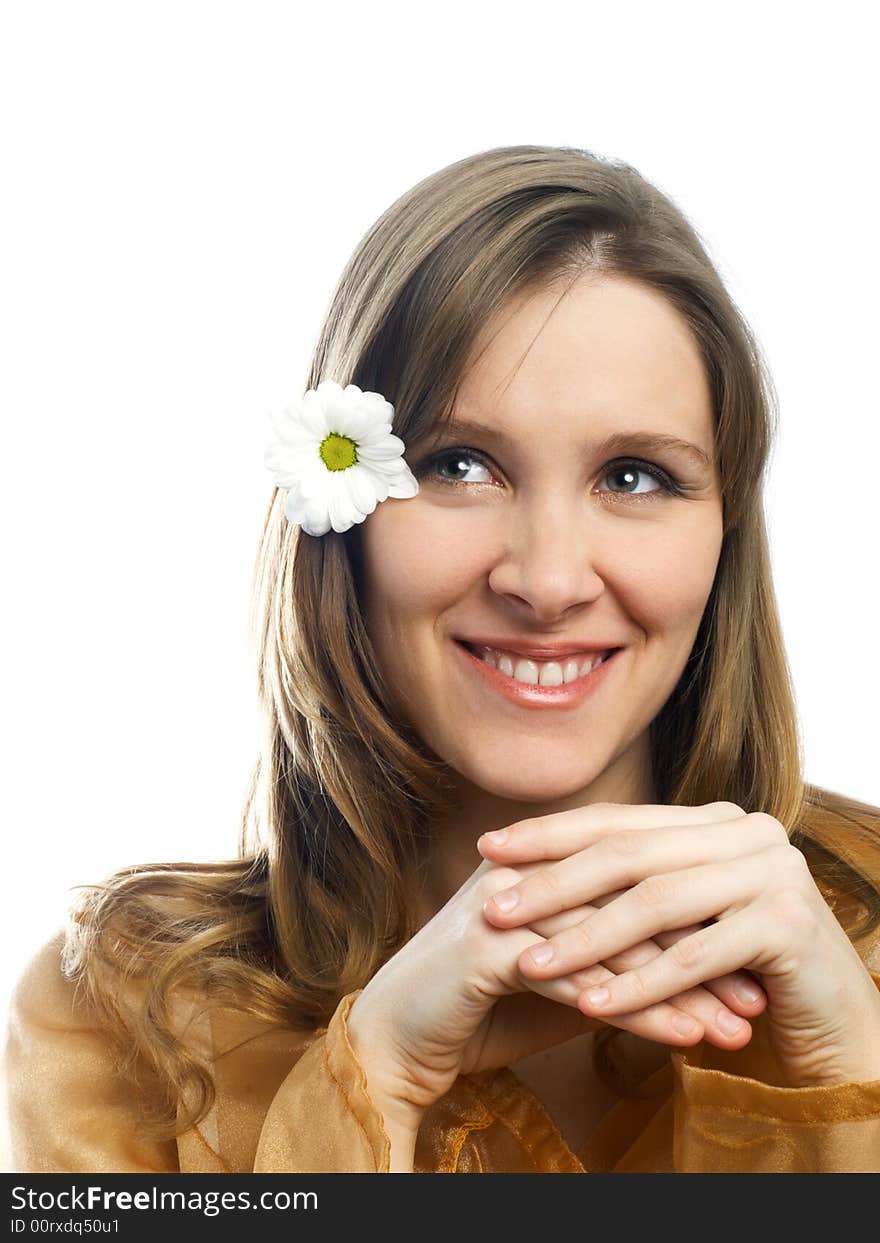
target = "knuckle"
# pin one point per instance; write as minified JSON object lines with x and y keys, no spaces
{"x":526,"y":830}
{"x":584,"y":933}
{"x":588,"y":976}
{"x":787,"y":865}
{"x":549,"y":883}
{"x":792,"y":914}
{"x":596,"y":816}
{"x":767,"y":827}
{"x":638,"y":988}
{"x":494,"y":881}
{"x":689,"y":951}
{"x":729,"y":809}
{"x":549,"y":925}
{"x":626,"y":843}
{"x":796,"y":860}
{"x":655,"y":891}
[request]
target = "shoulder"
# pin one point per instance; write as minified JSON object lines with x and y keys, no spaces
{"x":41,"y":990}
{"x":142,"y":987}
{"x":47,"y":996}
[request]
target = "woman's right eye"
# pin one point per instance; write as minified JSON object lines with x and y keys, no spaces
{"x":458,"y":458}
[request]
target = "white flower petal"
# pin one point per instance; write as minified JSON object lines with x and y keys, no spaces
{"x":362,"y":488}
{"x":375,"y":433}
{"x":355,"y":422}
{"x":387,"y":468}
{"x":312,"y":518}
{"x":382,"y":450}
{"x":287,"y":428}
{"x":335,"y":404}
{"x":288,"y":467}
{"x":314,"y":478}
{"x":371,"y":416}
{"x":282,"y":451}
{"x":378,"y":482}
{"x":312,"y":415}
{"x":406,"y":486}
{"x":341,"y":508}
{"x":378,"y":405}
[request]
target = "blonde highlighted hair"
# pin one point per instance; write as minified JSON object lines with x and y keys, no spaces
{"x":338,"y":814}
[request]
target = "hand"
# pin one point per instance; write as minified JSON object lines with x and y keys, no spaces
{"x":673,"y":867}
{"x":453,"y":1001}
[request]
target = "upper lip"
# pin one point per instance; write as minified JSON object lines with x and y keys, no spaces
{"x":547,"y":651}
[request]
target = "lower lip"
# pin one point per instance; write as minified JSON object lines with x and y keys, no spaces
{"x":535,"y":696}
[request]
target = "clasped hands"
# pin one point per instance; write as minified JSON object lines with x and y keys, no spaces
{"x":721,"y":892}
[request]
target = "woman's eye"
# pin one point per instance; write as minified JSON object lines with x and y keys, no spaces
{"x":627,"y":475}
{"x":457,"y":459}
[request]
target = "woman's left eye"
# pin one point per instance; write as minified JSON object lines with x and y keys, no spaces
{"x":630,"y":469}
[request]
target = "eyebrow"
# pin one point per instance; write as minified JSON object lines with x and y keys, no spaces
{"x":648,"y":442}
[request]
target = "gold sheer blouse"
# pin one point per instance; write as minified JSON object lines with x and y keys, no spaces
{"x":297,"y":1101}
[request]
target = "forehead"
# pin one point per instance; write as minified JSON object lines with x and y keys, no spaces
{"x":608,"y":352}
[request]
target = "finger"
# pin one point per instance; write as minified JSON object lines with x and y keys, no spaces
{"x":567,"y":919}
{"x":712,"y":952}
{"x":560,"y":834}
{"x":622,"y":860}
{"x":506,"y":947}
{"x":739,"y":990}
{"x":722,"y":1023}
{"x":662,"y":1022}
{"x":658,"y":904}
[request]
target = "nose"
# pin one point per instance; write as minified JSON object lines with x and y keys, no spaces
{"x":548,"y":559}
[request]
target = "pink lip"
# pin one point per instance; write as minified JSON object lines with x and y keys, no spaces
{"x":567,"y":695}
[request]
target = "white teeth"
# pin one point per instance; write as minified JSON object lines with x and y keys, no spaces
{"x":572,"y":670}
{"x":550,"y":674}
{"x":526,"y":671}
{"x":533,"y":673}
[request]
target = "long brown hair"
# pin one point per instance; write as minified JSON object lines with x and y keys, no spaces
{"x":338,"y":814}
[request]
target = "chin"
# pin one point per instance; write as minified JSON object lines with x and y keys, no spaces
{"x":521,"y":786}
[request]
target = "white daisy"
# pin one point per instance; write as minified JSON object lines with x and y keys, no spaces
{"x":336,"y":455}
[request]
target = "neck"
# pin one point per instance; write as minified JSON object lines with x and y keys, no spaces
{"x":453,"y":854}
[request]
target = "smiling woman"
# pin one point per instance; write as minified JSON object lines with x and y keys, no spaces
{"x":530,"y":738}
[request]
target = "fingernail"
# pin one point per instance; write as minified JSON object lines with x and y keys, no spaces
{"x":506,"y":900}
{"x":597,"y":996}
{"x":747,"y":993}
{"x":729,"y":1023}
{"x":684,"y":1025}
{"x":497,"y":838}
{"x":541,"y":954}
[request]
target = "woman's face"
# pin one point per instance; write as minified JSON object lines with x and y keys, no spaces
{"x":536,"y":530}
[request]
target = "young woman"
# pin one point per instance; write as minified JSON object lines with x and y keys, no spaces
{"x":555,"y":619}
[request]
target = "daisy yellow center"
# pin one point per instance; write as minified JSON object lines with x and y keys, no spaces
{"x":338,"y":452}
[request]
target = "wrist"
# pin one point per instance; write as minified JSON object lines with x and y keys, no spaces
{"x":857,"y":1061}
{"x":385,"y":1083}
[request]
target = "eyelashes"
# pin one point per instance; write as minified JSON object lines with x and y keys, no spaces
{"x":669,"y":486}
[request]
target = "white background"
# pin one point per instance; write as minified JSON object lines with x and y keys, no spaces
{"x":183,"y":184}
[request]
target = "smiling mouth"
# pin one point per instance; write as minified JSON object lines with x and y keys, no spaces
{"x":540,"y":673}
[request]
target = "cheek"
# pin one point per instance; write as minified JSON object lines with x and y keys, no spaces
{"x":414,"y":567}
{"x":667,"y":579}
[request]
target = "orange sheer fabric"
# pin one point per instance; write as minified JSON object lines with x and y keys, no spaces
{"x":294,"y":1101}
